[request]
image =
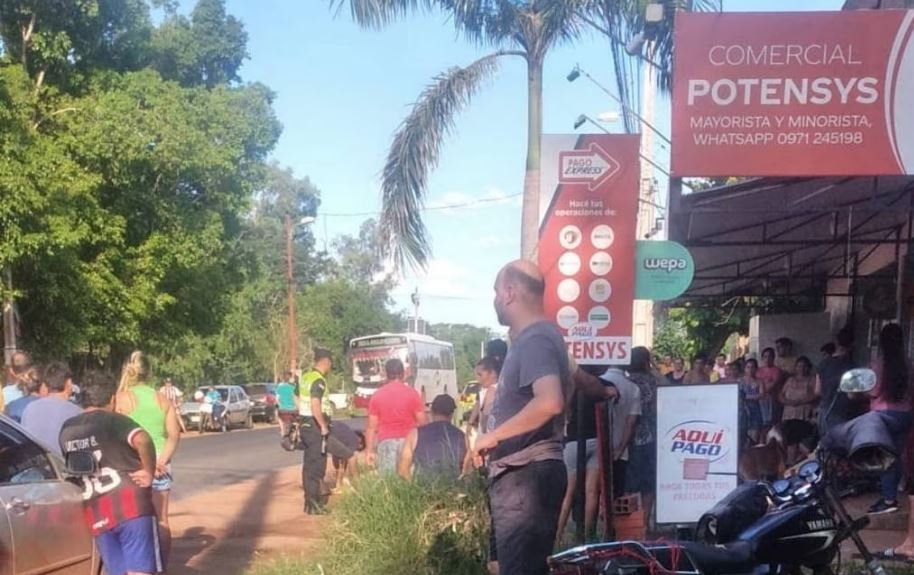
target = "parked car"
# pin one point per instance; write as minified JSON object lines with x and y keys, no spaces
{"x":238,"y":407}
{"x":470,"y":395}
{"x":42,"y":526}
{"x":337,"y":404}
{"x":263,"y":396}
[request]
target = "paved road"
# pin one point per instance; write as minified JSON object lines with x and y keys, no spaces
{"x":218,"y":459}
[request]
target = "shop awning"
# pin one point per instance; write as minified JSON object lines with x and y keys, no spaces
{"x":789,"y":237}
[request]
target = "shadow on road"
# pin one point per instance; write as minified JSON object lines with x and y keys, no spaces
{"x":230,"y":552}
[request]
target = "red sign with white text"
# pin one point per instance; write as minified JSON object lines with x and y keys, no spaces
{"x":793,"y":94}
{"x":589,"y":211}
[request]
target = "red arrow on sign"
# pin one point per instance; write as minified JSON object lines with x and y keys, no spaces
{"x":592,"y":166}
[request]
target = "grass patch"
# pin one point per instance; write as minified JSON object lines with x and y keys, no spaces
{"x":386,"y":526}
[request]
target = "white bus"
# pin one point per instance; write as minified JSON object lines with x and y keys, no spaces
{"x":429,"y":364}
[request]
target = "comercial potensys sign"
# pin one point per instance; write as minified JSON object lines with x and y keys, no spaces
{"x":793,"y":94}
{"x":588,"y":214}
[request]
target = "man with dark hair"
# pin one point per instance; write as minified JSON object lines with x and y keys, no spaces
{"x":524,"y":438}
{"x":785,"y":360}
{"x":34,"y":388}
{"x":44,"y":417}
{"x":118,"y":498}
{"x":437,"y":449}
{"x":699,"y":372}
{"x":835,"y":407}
{"x":394,"y":410}
{"x":315,"y":432}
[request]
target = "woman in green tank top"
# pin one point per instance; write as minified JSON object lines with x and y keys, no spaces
{"x":157,"y":416}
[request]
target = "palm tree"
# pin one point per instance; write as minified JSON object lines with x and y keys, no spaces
{"x":523,"y":29}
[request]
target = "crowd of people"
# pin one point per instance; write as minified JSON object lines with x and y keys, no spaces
{"x":535,"y":410}
{"x":131,"y":431}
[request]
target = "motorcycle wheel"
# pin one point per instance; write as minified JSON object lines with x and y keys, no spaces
{"x":224,"y":427}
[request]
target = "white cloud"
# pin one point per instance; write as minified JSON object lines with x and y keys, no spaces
{"x":450,"y":203}
{"x":489,"y":241}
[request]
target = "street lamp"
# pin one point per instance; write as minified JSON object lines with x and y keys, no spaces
{"x":293,"y":333}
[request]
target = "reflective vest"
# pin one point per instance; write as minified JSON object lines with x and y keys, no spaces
{"x":304,"y":391}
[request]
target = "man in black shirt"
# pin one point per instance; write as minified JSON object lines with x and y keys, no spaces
{"x":118,"y":497}
{"x":835,"y":407}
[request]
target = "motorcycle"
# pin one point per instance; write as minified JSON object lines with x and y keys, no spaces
{"x":214,"y":419}
{"x":777,"y":528}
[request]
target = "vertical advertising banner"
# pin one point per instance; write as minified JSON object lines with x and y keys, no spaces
{"x":794,"y":94}
{"x":697,"y":449}
{"x":588,"y":218}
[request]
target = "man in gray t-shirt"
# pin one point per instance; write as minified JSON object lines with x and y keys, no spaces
{"x":44,"y":417}
{"x":524,"y":438}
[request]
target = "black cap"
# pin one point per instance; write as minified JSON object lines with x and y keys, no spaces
{"x":444,"y":405}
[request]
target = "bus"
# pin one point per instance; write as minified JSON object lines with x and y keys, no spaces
{"x":429,"y":364}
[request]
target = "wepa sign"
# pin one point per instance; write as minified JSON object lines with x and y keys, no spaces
{"x":793,"y":94}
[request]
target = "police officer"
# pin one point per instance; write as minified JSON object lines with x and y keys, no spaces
{"x":315,"y":431}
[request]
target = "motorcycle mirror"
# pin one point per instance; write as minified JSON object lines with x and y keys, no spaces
{"x":860,"y":380}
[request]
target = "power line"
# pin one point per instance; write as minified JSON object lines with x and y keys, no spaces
{"x":427,"y":208}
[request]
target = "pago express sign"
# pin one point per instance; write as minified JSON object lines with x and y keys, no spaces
{"x":588,"y":214}
{"x":793,"y":94}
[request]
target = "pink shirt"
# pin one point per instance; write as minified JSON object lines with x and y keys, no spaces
{"x":395,"y":405}
{"x":877,"y":401}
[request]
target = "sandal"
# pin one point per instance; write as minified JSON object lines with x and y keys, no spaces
{"x":891,"y":555}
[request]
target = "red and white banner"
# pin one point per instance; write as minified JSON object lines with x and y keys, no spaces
{"x":793,"y":94}
{"x":588,"y":218}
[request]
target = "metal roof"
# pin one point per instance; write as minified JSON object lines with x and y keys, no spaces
{"x":789,"y":236}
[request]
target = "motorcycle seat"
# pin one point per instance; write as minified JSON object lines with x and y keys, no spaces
{"x":730,"y":558}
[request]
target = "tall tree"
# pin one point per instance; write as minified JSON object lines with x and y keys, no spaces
{"x":527,"y":30}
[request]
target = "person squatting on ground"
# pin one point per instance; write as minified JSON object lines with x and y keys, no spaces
{"x":394,"y":410}
{"x":524,"y":438}
{"x":157,"y":416}
{"x":437,"y":450}
{"x":118,"y":496}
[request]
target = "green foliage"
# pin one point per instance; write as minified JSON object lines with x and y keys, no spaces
{"x":468,"y":341}
{"x":387,"y":526}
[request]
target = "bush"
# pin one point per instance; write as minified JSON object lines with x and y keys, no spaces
{"x":386,"y":526}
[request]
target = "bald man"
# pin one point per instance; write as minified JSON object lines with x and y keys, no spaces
{"x":524,"y":438}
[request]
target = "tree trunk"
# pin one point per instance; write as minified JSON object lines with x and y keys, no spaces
{"x":530,"y":216}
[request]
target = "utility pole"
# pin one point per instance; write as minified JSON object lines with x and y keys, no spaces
{"x":293,"y":333}
{"x":9,"y":319}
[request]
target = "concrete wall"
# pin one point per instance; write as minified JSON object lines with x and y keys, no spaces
{"x":807,"y":330}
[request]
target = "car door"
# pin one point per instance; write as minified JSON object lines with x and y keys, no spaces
{"x":233,"y":411}
{"x":245,"y":404}
{"x":44,"y":512}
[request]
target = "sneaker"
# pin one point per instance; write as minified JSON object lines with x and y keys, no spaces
{"x":883,"y":506}
{"x":315,"y":509}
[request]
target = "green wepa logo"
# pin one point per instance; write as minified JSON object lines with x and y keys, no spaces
{"x":669,"y":265}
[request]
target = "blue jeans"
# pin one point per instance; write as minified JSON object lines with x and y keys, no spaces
{"x":897,"y":423}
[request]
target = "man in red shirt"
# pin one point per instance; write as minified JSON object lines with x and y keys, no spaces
{"x":394,"y":410}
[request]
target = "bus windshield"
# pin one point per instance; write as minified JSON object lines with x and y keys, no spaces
{"x":368,"y":363}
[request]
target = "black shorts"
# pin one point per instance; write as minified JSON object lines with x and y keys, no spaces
{"x":642,"y":468}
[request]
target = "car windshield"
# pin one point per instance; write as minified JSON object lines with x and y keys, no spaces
{"x":223,"y":393}
{"x":260,"y":388}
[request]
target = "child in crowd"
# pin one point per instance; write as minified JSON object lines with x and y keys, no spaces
{"x":118,"y":496}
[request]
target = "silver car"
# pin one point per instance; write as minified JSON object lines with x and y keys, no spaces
{"x":237,"y":404}
{"x":42,"y":526}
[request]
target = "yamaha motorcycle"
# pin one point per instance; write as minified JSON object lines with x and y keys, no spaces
{"x":784,"y":527}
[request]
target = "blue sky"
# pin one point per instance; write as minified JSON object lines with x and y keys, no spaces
{"x":342,"y":91}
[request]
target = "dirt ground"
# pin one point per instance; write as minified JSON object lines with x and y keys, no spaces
{"x":226,"y":530}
